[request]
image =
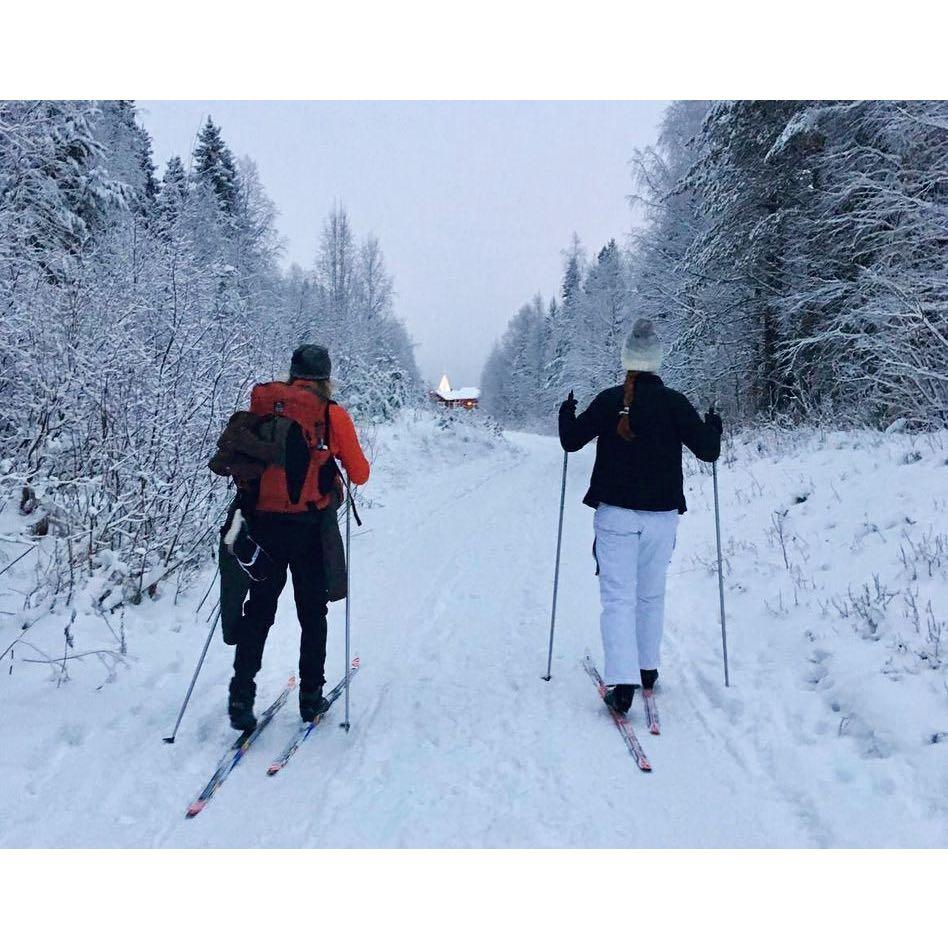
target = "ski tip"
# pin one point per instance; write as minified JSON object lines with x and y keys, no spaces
{"x":194,"y":809}
{"x":355,"y":662}
{"x":655,"y":729}
{"x":274,"y":769}
{"x":291,"y":683}
{"x":645,"y":766}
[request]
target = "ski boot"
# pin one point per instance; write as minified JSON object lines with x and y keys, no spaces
{"x":312,"y":704}
{"x":619,"y":698}
{"x":240,"y":705}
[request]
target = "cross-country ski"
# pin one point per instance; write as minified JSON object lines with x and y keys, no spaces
{"x":306,"y":728}
{"x":651,"y":711}
{"x":237,"y":751}
{"x":622,"y":723}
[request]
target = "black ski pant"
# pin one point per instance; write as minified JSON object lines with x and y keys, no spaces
{"x":292,"y":543}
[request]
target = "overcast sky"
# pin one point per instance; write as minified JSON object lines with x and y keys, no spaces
{"x":473,"y":202}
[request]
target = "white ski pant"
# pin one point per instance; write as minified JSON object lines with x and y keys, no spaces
{"x":633,"y":550}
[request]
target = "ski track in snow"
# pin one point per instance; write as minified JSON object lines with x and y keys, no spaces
{"x":456,"y":740}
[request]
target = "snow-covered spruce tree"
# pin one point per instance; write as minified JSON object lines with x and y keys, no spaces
{"x":126,"y":152}
{"x":496,"y":379}
{"x":563,"y":327}
{"x":57,"y":200}
{"x":514,"y":380}
{"x":53,"y":193}
{"x":866,"y":306}
{"x":529,"y":357}
{"x":556,"y":346}
{"x":216,"y":169}
{"x":737,"y":267}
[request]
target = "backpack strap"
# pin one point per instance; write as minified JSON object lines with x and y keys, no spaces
{"x":330,"y":470}
{"x":332,"y":461}
{"x":329,"y":404}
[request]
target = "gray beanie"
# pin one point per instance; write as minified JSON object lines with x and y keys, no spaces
{"x":643,"y":349}
{"x":311,"y":362}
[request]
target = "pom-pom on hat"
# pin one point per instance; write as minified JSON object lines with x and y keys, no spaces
{"x":643,"y":349}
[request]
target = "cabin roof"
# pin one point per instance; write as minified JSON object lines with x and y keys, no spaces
{"x":448,"y":394}
{"x":459,"y":394}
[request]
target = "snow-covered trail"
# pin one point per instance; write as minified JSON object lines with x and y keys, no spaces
{"x":456,"y":739}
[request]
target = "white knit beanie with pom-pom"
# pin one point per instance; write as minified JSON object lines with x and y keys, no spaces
{"x":643,"y":349}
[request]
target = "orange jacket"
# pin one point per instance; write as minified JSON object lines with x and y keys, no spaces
{"x":344,"y":443}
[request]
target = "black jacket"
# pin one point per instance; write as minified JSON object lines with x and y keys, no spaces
{"x":644,"y":473}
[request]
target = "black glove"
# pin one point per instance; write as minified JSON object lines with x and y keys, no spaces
{"x":569,"y":406}
{"x":712,"y":418}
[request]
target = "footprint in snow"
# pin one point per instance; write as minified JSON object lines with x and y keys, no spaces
{"x":844,"y":774}
{"x":72,"y":734}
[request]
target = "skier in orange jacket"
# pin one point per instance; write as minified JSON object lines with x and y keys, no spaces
{"x":287,"y":525}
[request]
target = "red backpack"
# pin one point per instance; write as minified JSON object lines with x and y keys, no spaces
{"x":298,"y":402}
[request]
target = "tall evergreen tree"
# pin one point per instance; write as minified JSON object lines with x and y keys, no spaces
{"x":215,"y":168}
{"x":173,"y":192}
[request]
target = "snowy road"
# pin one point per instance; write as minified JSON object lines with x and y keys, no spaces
{"x":456,"y":739}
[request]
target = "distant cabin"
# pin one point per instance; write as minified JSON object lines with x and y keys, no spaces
{"x":446,"y":397}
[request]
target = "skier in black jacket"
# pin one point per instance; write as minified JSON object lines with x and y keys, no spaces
{"x":637,"y":492}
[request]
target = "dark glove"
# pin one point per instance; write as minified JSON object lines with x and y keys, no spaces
{"x":569,"y":406}
{"x":712,"y":418}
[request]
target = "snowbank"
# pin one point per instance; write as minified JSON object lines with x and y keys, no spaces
{"x":836,"y":563}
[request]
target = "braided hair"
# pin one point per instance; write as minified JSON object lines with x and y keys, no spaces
{"x":624,"y":429}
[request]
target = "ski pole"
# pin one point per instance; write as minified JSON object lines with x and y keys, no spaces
{"x":717,"y":533}
{"x":194,"y":678}
{"x":556,"y":571}
{"x":345,"y":724}
{"x":209,"y":588}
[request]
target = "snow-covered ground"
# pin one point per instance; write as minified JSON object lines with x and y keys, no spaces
{"x":834,"y":731}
